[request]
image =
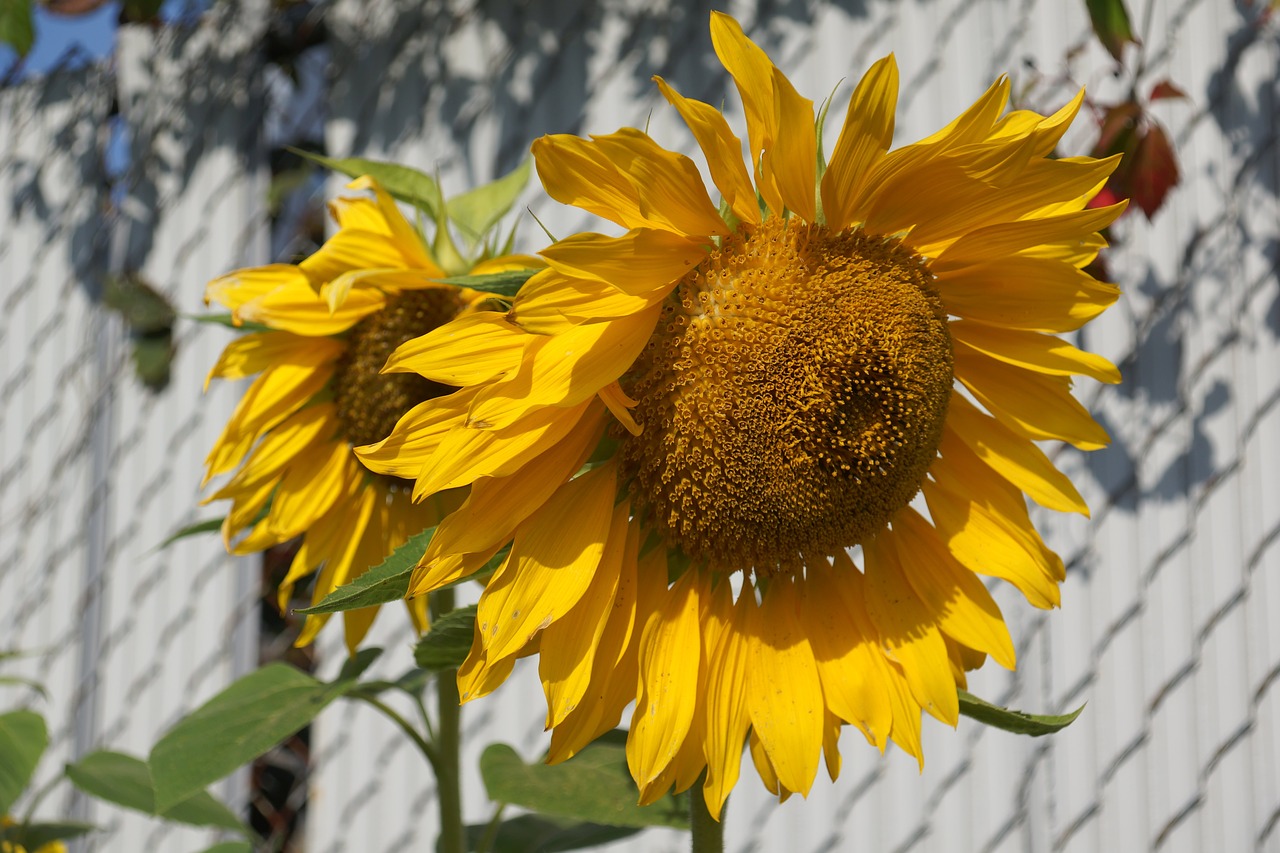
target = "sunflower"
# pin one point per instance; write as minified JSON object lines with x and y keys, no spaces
{"x":327,"y":326}
{"x":704,"y":440}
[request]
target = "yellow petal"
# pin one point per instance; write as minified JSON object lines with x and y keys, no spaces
{"x":846,"y":648}
{"x":642,"y":262}
{"x":553,"y":563}
{"x":352,"y":249}
{"x":294,"y":435}
{"x":784,"y":694}
{"x":236,"y":288}
{"x":792,"y":161}
{"x":906,"y":713}
{"x":467,"y":453}
{"x":416,"y":436}
{"x":753,"y":74}
{"x":496,"y":505}
{"x":566,"y":369}
{"x":550,"y":303}
{"x":1033,"y":405}
{"x":255,"y":352}
{"x":311,"y":487}
{"x":953,"y":597}
{"x":768,"y":775}
{"x":669,"y":656}
{"x":669,"y":187}
{"x":1013,"y":457}
{"x":299,"y":309}
{"x":831,"y":744}
{"x":332,"y":547}
{"x":390,"y":279}
{"x":727,"y":715}
{"x":620,"y":405}
{"x":995,"y":242}
{"x":908,"y":631}
{"x":473,"y":349}
{"x":1033,"y":351}
{"x":569,"y":644}
{"x":865,"y":137}
{"x":577,"y":172}
{"x":1036,"y":294}
{"x":430,"y":576}
{"x":723,"y":151}
{"x":478,"y":676}
{"x":989,"y":537}
{"x":406,"y":238}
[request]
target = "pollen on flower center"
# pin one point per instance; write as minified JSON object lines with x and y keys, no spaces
{"x":368,"y":401}
{"x":792,"y":396}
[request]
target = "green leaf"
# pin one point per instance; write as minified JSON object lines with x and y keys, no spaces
{"x":1110,"y":22}
{"x":23,"y":738}
{"x":448,"y":642}
{"x":230,"y":847}
{"x":1018,"y":722}
{"x":17,"y":27}
{"x":19,"y":681}
{"x":506,"y":283}
{"x":209,"y":525}
{"x":235,"y":727}
{"x":126,"y":781}
{"x":387,"y":581}
{"x":402,"y":182}
{"x":32,"y":836}
{"x":594,"y":785}
{"x":227,"y":320}
{"x":538,"y":834}
{"x":476,"y":212}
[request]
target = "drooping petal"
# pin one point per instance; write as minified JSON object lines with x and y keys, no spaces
{"x":752,"y":72}
{"x":550,"y":303}
{"x":668,"y":184}
{"x":1030,"y":293}
{"x":642,"y":262}
{"x":727,"y":716}
{"x":470,"y":350}
{"x":1033,"y":351}
{"x":865,"y":137}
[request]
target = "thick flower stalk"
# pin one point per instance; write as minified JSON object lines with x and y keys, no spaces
{"x":327,"y":326}
{"x":706,"y":440}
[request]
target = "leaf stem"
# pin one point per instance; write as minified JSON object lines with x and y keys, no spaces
{"x":491,"y":830}
{"x":449,"y":734}
{"x":428,"y":750}
{"x":708,"y":833}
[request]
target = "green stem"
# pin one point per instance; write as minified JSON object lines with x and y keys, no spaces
{"x":491,"y":830}
{"x":448,"y":771}
{"x":708,"y":833}
{"x":430,"y":752}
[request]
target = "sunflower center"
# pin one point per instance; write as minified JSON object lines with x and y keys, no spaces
{"x":792,"y":397}
{"x":369,"y":402}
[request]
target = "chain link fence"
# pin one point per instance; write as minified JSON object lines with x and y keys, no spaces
{"x":1166,"y":628}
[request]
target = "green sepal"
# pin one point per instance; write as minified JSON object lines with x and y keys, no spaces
{"x":23,"y":739}
{"x":387,"y":581}
{"x":594,"y":786}
{"x":404,"y":183}
{"x":505,"y":283}
{"x":126,"y":781}
{"x":1017,"y":722}
{"x":448,"y":642}
{"x":477,"y":211}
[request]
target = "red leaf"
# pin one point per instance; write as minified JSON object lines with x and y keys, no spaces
{"x":1165,"y":89}
{"x":1154,"y":171}
{"x":1117,"y":128}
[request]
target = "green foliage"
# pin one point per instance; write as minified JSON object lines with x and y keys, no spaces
{"x":448,"y":642}
{"x":23,"y":739}
{"x":126,"y":781}
{"x":1111,"y":24}
{"x":537,"y":834}
{"x":230,"y":847}
{"x":594,"y":786}
{"x":150,"y":318}
{"x":17,"y":27}
{"x":209,"y":525}
{"x":506,"y":283}
{"x":387,"y":581}
{"x":477,"y":211}
{"x":402,"y":182}
{"x":1018,"y":722}
{"x":227,"y":320}
{"x":239,"y":724}
{"x":34,"y":835}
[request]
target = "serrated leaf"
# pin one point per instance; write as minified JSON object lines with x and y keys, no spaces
{"x":539,"y":834}
{"x":33,"y":836}
{"x":1110,"y":21}
{"x":1017,"y":722}
{"x":17,"y":27}
{"x":23,"y":739}
{"x":126,"y":781}
{"x":209,"y":525}
{"x":387,"y":581}
{"x":476,"y":212}
{"x":242,"y":722}
{"x":594,"y":786}
{"x":448,"y":642}
{"x":506,"y":283}
{"x":402,"y":182}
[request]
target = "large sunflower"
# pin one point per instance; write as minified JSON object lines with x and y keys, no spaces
{"x":742,"y":553}
{"x":328,"y":325}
